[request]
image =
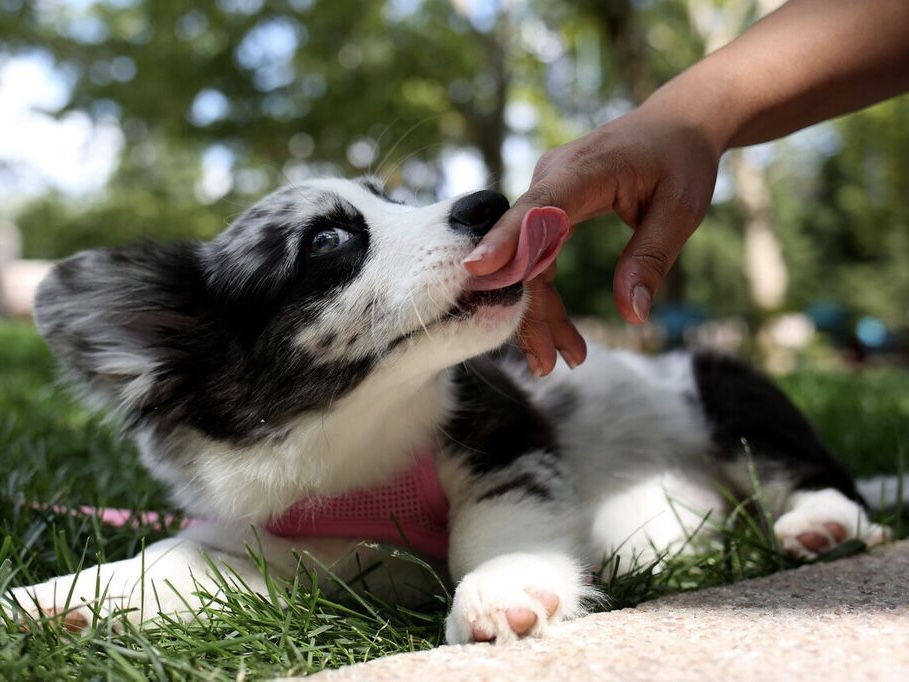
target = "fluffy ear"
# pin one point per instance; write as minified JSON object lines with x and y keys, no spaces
{"x":120,"y":319}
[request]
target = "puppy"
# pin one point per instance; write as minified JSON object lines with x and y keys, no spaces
{"x":323,"y":373}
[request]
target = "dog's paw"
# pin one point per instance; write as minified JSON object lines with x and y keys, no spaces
{"x":514,"y":596}
{"x":821,"y":520}
{"x":48,"y":604}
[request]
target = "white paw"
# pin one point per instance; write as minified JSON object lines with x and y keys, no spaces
{"x":158,"y":581}
{"x":819,"y":520}
{"x":52,"y":602}
{"x":514,"y":596}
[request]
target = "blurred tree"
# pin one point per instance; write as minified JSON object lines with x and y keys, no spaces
{"x":267,"y":92}
{"x":717,"y":22}
{"x":220,"y":100}
{"x":854,"y":217}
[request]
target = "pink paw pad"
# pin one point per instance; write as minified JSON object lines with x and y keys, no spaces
{"x":821,"y":542}
{"x":521,"y":620}
{"x":70,"y":620}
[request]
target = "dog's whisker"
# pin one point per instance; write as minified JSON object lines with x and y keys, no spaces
{"x":407,"y":133}
{"x":373,"y":326}
{"x":421,"y":151}
{"x":376,"y":168}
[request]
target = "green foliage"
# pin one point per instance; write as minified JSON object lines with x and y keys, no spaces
{"x":863,"y":416}
{"x":54,"y":228}
{"x":586,"y":263}
{"x":859,"y":224}
{"x":52,"y":446}
{"x":282,"y":90}
{"x":711,"y":263}
{"x":268,"y":71}
{"x":295,"y":629}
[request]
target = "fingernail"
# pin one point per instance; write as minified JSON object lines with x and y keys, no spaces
{"x":641,"y":300}
{"x":476,"y":255}
{"x":534,"y":364}
{"x":569,"y":359}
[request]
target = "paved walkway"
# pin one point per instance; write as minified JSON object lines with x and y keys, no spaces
{"x":844,"y":620}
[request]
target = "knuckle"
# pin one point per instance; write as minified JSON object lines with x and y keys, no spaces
{"x":652,"y":262}
{"x":688,"y":207}
{"x":540,"y":193}
{"x":689,"y":211}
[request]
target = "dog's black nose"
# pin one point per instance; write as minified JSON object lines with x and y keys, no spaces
{"x":478,"y":212}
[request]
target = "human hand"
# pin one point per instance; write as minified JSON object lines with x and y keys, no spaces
{"x":653,"y":169}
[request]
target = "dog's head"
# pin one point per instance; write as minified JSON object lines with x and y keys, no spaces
{"x":288,"y":310}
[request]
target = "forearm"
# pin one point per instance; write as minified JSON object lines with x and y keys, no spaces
{"x":809,"y":61}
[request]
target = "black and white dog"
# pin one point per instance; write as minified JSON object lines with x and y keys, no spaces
{"x":328,"y":339}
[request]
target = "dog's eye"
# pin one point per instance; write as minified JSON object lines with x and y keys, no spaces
{"x":327,"y":240}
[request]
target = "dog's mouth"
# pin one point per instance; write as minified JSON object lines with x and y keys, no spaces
{"x":470,"y":301}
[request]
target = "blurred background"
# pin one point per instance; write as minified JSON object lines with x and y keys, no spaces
{"x":127,"y":119}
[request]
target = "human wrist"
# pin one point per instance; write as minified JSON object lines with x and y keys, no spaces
{"x":694,"y":102}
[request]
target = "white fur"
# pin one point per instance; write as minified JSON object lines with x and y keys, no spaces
{"x":634,"y":476}
{"x":389,"y":417}
{"x":809,"y":511}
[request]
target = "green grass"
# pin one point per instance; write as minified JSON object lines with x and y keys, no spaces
{"x":862,"y":415}
{"x":53,"y":450}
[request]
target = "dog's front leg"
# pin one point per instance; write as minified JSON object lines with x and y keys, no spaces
{"x":177,"y":576}
{"x":514,"y":557}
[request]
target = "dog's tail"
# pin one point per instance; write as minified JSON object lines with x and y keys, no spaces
{"x":889,"y":492}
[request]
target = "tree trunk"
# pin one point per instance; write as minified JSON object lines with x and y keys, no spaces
{"x":765,"y":268}
{"x":485,"y":118}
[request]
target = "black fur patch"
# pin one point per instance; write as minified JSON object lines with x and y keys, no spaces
{"x":375,"y":188}
{"x":560,"y":403}
{"x":283,"y":278}
{"x":495,"y":423}
{"x":470,"y":301}
{"x":524,"y":484}
{"x":225,"y":361}
{"x":743,"y":405}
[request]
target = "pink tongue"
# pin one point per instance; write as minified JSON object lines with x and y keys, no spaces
{"x":542,"y":233}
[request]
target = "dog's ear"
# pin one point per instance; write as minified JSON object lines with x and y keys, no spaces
{"x":120,"y":319}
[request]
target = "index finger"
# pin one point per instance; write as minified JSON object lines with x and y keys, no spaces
{"x":499,"y":245}
{"x":581,"y":190}
{"x":542,"y":233}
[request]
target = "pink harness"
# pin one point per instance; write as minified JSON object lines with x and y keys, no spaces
{"x":411,"y":511}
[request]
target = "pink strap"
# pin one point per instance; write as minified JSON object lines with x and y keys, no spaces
{"x":120,"y":517}
{"x":411,"y":511}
